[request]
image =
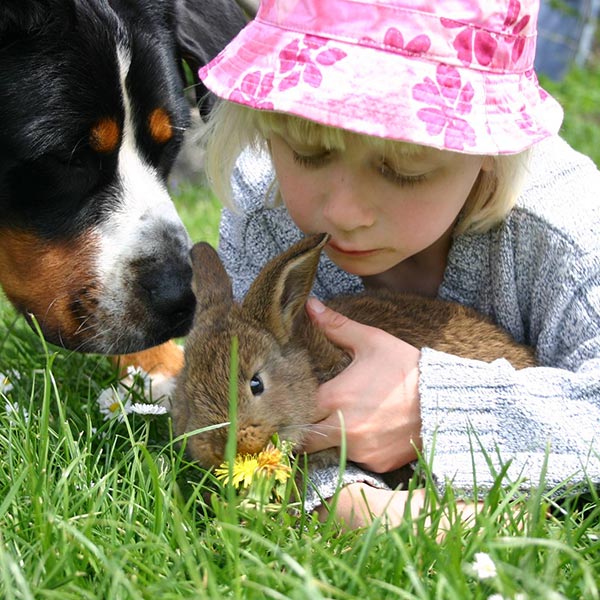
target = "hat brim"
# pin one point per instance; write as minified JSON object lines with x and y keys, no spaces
{"x":385,"y":94}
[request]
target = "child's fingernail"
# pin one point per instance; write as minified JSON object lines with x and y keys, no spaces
{"x":316,"y":305}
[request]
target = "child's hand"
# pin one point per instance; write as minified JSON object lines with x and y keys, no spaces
{"x":358,"y":504}
{"x":377,"y":395}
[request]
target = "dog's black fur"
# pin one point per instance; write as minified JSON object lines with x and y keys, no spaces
{"x":92,"y":116}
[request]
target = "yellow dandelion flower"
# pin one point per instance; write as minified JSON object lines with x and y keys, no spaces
{"x":244,"y":469}
{"x":272,"y":462}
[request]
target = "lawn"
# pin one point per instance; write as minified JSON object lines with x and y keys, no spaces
{"x":95,"y":508}
{"x":579,"y":94}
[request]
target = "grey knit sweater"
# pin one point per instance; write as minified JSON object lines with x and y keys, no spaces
{"x":537,"y":275}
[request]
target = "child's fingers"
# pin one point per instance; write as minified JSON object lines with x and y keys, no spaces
{"x":341,"y":330}
{"x":323,"y":435}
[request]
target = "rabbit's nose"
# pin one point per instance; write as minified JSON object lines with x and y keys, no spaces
{"x":251,"y":439}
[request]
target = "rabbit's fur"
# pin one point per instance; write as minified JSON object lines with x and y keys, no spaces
{"x":279,"y":345}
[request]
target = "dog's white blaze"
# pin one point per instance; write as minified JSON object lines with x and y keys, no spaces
{"x":145,"y":204}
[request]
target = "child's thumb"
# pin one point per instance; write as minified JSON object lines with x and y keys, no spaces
{"x":341,"y":330}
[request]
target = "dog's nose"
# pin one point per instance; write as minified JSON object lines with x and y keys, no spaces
{"x":167,"y":288}
{"x":171,"y":299}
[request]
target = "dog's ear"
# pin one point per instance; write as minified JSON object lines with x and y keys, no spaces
{"x":18,"y":16}
{"x":19,"y":19}
{"x":203,"y":29}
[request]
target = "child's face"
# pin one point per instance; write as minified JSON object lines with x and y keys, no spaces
{"x":378,"y":214}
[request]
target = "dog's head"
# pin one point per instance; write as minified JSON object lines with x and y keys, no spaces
{"x":93,"y":115}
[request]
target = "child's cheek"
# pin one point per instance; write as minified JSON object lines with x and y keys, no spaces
{"x":302,"y":213}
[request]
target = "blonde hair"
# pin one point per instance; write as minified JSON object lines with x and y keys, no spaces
{"x":233,"y":127}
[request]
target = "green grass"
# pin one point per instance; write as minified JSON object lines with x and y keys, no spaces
{"x":200,"y":211}
{"x":579,"y":94}
{"x":95,"y":509}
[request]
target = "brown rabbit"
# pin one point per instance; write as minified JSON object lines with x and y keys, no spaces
{"x":283,"y":357}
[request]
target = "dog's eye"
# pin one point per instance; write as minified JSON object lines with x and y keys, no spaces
{"x":257,"y":386}
{"x":73,"y":161}
{"x":76,"y":162}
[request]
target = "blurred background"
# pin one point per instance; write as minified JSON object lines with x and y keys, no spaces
{"x":566,"y":31}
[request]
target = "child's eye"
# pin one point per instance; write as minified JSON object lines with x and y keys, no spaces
{"x":399,"y":178}
{"x":311,"y":160}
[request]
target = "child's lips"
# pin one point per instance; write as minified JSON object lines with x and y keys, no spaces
{"x":348,"y":251}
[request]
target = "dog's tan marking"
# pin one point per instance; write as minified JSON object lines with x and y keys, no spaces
{"x":160,"y":126}
{"x":166,"y":359}
{"x":49,"y":279}
{"x":105,"y":136}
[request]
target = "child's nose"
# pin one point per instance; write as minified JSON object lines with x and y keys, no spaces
{"x":347,"y":206}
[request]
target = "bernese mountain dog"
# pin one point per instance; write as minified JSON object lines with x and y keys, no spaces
{"x":92,"y":116}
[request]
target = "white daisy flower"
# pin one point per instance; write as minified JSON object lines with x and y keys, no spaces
{"x":5,"y":384}
{"x":132,"y":371}
{"x":13,"y":408}
{"x":484,"y":566}
{"x":157,"y":388}
{"x":110,"y":401}
{"x":154,"y":388}
{"x":148,"y":409}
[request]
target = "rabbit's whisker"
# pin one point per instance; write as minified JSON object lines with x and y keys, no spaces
{"x":312,"y":427}
{"x":317,"y":428}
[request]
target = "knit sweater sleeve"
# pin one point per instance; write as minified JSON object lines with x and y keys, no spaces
{"x":483,"y":416}
{"x":539,"y":277}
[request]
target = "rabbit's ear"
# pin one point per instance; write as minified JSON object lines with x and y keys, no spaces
{"x":280,"y":291}
{"x":210,"y":282}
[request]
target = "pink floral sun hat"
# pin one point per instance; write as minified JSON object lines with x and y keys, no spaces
{"x":452,"y":74}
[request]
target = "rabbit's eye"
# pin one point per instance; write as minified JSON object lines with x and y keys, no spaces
{"x":257,"y":386}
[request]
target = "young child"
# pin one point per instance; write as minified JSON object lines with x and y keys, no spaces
{"x":416,"y":135}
